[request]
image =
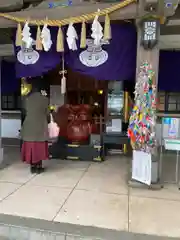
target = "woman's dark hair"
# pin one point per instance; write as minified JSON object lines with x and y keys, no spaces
{"x":37,"y":84}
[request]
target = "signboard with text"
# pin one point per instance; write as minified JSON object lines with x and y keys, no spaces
{"x":171,"y":127}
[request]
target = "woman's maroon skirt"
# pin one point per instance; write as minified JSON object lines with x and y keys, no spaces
{"x":34,"y":152}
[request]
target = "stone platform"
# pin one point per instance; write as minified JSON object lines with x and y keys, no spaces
{"x":84,"y":200}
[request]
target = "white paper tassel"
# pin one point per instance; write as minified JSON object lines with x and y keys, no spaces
{"x":26,"y":36}
{"x":72,"y":37}
{"x":63,"y":85}
{"x":46,"y":38}
{"x":97,"y":31}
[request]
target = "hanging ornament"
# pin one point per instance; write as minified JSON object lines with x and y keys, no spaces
{"x":19,"y":36}
{"x":97,"y":29}
{"x":39,"y":46}
{"x":60,"y":41}
{"x":83,"y":35}
{"x":107,"y":28}
{"x":26,"y":36}
{"x":46,"y":38}
{"x":72,"y":37}
{"x":63,"y":79}
{"x":25,"y":87}
{"x":63,"y":85}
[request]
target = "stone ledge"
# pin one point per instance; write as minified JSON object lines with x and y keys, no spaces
{"x":19,"y":228}
{"x":135,"y":184}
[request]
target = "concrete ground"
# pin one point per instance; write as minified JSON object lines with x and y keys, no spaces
{"x":90,"y":194}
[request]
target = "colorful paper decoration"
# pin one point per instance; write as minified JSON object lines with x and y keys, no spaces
{"x":142,"y":121}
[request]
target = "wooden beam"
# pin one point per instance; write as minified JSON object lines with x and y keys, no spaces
{"x":10,"y":5}
{"x":6,"y":50}
{"x":129,"y":12}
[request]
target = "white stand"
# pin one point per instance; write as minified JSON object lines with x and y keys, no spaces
{"x":1,"y":155}
{"x":174,"y":145}
{"x":1,"y":149}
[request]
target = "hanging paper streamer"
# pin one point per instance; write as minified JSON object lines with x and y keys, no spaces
{"x":38,"y":40}
{"x":19,"y":36}
{"x":26,"y":36}
{"x":72,"y":37}
{"x":63,"y":85}
{"x":97,"y":31}
{"x":141,"y":129}
{"x":83,"y":35}
{"x":60,"y":41}
{"x":107,"y":28}
{"x":46,"y":38}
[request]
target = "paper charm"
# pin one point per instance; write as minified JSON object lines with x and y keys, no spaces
{"x":63,"y":84}
{"x":26,"y":36}
{"x":71,"y":37}
{"x":46,"y":38}
{"x":97,"y":31}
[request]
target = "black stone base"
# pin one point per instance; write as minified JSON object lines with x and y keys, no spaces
{"x":87,"y":152}
{"x":58,"y":149}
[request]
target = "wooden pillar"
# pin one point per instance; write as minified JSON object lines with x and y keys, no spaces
{"x":152,"y":57}
{"x":1,"y":149}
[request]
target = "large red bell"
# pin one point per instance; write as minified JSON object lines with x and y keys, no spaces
{"x":79,"y":131}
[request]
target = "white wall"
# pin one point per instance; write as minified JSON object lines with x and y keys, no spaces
{"x":169,"y":42}
{"x":10,"y":128}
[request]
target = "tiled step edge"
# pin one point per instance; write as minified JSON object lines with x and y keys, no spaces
{"x":18,"y":228}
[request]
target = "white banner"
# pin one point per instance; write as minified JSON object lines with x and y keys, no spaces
{"x":141,"y":167}
{"x":56,"y":97}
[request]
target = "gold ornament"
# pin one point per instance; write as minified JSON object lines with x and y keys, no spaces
{"x":25,"y":87}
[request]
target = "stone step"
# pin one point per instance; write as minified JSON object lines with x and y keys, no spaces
{"x":18,"y":228}
{"x":10,"y":142}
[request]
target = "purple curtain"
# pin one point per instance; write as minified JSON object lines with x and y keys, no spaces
{"x":169,"y":71}
{"x":9,"y":82}
{"x":47,"y":60}
{"x":120,"y":64}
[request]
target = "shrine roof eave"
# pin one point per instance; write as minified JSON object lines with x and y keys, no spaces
{"x":59,"y":13}
{"x":10,"y":5}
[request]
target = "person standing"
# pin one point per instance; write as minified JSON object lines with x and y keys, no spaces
{"x":34,"y":132}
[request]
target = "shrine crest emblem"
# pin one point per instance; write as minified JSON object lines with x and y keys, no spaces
{"x":94,"y":55}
